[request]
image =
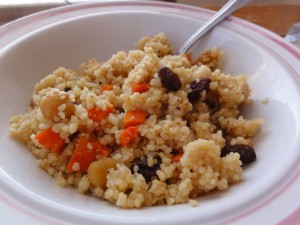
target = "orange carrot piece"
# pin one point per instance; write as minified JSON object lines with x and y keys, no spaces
{"x":100,"y":149}
{"x":140,"y":87}
{"x":134,"y":118}
{"x":189,"y":57}
{"x":97,"y":114}
{"x":86,"y":151}
{"x":106,"y":87}
{"x":50,"y":140}
{"x":127,"y":135}
{"x":176,"y":158}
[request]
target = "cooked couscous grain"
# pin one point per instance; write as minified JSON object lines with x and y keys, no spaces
{"x":144,"y":128}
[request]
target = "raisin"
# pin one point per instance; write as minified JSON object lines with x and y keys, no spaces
{"x":247,"y":153}
{"x":147,"y":171}
{"x":169,"y":79}
{"x":197,"y":87}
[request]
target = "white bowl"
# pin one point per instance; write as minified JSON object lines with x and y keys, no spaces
{"x":35,"y":46}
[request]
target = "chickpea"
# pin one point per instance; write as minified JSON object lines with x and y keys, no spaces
{"x":50,"y":104}
{"x":97,"y":171}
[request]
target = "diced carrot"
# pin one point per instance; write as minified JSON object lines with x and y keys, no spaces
{"x":100,"y":149}
{"x":127,"y":135}
{"x":86,"y":151}
{"x":106,"y":87}
{"x":176,"y":158}
{"x":140,"y":87}
{"x":97,"y":114}
{"x":134,"y":118}
{"x":50,"y":140}
{"x":189,"y":57}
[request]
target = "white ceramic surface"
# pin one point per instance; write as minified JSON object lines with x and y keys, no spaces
{"x":34,"y":46}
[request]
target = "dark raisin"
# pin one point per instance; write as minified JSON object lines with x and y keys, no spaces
{"x":247,"y":153}
{"x":169,"y":79}
{"x":197,"y":87}
{"x":147,"y":171}
{"x":67,"y":89}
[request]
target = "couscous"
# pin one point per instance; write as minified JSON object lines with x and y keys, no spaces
{"x":146,"y":127}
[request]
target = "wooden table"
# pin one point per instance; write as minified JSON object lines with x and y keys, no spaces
{"x":277,"y":18}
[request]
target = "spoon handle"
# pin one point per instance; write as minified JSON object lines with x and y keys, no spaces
{"x":230,"y":7}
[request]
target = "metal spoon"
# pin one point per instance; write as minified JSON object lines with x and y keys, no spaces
{"x":230,"y":7}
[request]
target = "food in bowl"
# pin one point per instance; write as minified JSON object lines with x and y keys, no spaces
{"x":146,"y":127}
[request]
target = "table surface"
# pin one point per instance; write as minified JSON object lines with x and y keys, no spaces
{"x":275,"y":17}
